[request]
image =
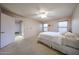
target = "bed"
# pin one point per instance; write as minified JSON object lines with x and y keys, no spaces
{"x":67,"y":43}
{"x":48,"y":37}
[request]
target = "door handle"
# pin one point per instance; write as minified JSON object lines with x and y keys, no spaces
{"x":2,"y":32}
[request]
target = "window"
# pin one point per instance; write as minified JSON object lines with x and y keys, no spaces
{"x":45,"y":27}
{"x":62,"y":26}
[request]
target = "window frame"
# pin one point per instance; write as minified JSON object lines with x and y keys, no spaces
{"x":63,"y":26}
{"x":45,"y":27}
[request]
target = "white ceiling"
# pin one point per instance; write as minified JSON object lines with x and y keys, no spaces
{"x":55,"y":10}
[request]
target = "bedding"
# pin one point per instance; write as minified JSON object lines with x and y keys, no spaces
{"x":71,"y":36}
{"x":50,"y":33}
{"x":67,"y":43}
{"x":72,"y":43}
{"x":51,"y":37}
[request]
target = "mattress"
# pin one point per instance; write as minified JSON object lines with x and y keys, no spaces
{"x":71,"y":43}
{"x":60,"y":42}
{"x":50,"y":33}
{"x":70,"y":51}
{"x":51,"y":37}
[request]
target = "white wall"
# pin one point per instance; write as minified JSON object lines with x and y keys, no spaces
{"x":75,"y":20}
{"x":31,"y":28}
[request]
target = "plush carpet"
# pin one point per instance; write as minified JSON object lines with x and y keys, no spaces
{"x":28,"y":47}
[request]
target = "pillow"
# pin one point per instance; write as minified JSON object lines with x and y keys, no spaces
{"x":63,"y":33}
{"x":70,"y":36}
{"x":77,"y":34}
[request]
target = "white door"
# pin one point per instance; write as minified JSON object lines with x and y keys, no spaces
{"x":7,"y":29}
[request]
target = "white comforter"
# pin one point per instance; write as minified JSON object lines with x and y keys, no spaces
{"x":50,"y":33}
{"x":65,"y":43}
{"x":55,"y":37}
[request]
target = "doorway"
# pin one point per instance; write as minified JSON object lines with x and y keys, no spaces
{"x":18,"y":31}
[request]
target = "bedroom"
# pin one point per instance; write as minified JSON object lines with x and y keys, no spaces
{"x":25,"y":23}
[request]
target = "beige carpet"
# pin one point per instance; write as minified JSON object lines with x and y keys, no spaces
{"x":28,"y":47}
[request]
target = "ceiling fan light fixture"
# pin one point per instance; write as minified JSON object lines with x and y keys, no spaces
{"x":42,"y":14}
